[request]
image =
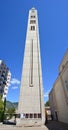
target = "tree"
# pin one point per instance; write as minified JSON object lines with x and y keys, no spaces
{"x":11,"y":112}
{"x":47,"y":103}
{"x":1,"y":109}
{"x":4,"y":116}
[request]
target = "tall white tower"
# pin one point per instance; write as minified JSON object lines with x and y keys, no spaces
{"x":31,"y":104}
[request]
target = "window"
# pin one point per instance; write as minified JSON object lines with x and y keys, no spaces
{"x":31,"y":115}
{"x":35,"y":115}
{"x":39,"y":115}
{"x":2,"y":75}
{"x":27,"y":115}
{"x":4,"y":93}
{"x":4,"y":83}
{"x":3,"y":71}
{"x":6,"y":89}
{"x":32,"y":16}
{"x":2,"y":64}
{"x":32,"y":27}
{"x":32,"y":21}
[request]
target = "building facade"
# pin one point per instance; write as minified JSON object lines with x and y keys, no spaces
{"x":31,"y":104}
{"x":58,"y":96}
{"x":5,"y":76}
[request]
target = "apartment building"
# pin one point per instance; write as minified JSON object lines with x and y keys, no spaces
{"x":5,"y":76}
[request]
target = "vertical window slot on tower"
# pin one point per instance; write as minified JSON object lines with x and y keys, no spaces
{"x":31,"y":67}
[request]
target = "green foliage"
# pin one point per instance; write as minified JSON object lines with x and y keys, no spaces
{"x":4,"y":117}
{"x":11,"y":112}
{"x":1,"y":116}
{"x":7,"y":107}
{"x":1,"y":105}
{"x":1,"y":109}
{"x":4,"y":104}
{"x":47,"y":103}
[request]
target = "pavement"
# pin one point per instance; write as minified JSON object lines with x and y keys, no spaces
{"x":13,"y":127}
{"x":51,"y":125}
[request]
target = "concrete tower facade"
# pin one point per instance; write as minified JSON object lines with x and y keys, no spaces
{"x":31,"y":104}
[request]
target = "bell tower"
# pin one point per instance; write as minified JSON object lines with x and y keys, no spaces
{"x":31,"y":104}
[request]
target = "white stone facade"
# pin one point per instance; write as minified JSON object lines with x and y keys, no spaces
{"x":58,"y":96}
{"x":31,"y":104}
{"x":5,"y":76}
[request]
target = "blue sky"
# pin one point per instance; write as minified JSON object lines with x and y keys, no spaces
{"x":53,"y":29}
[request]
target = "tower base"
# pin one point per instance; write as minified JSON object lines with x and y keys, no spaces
{"x":29,"y":122}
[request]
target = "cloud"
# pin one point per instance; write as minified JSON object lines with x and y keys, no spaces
{"x":14,"y":87}
{"x":14,"y":81}
{"x":46,"y":93}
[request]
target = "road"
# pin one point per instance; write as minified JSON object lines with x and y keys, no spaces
{"x":55,"y":125}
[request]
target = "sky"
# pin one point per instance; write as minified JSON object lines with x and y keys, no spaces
{"x":53,"y":32}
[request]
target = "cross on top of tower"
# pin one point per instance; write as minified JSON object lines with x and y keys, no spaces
{"x":33,"y":8}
